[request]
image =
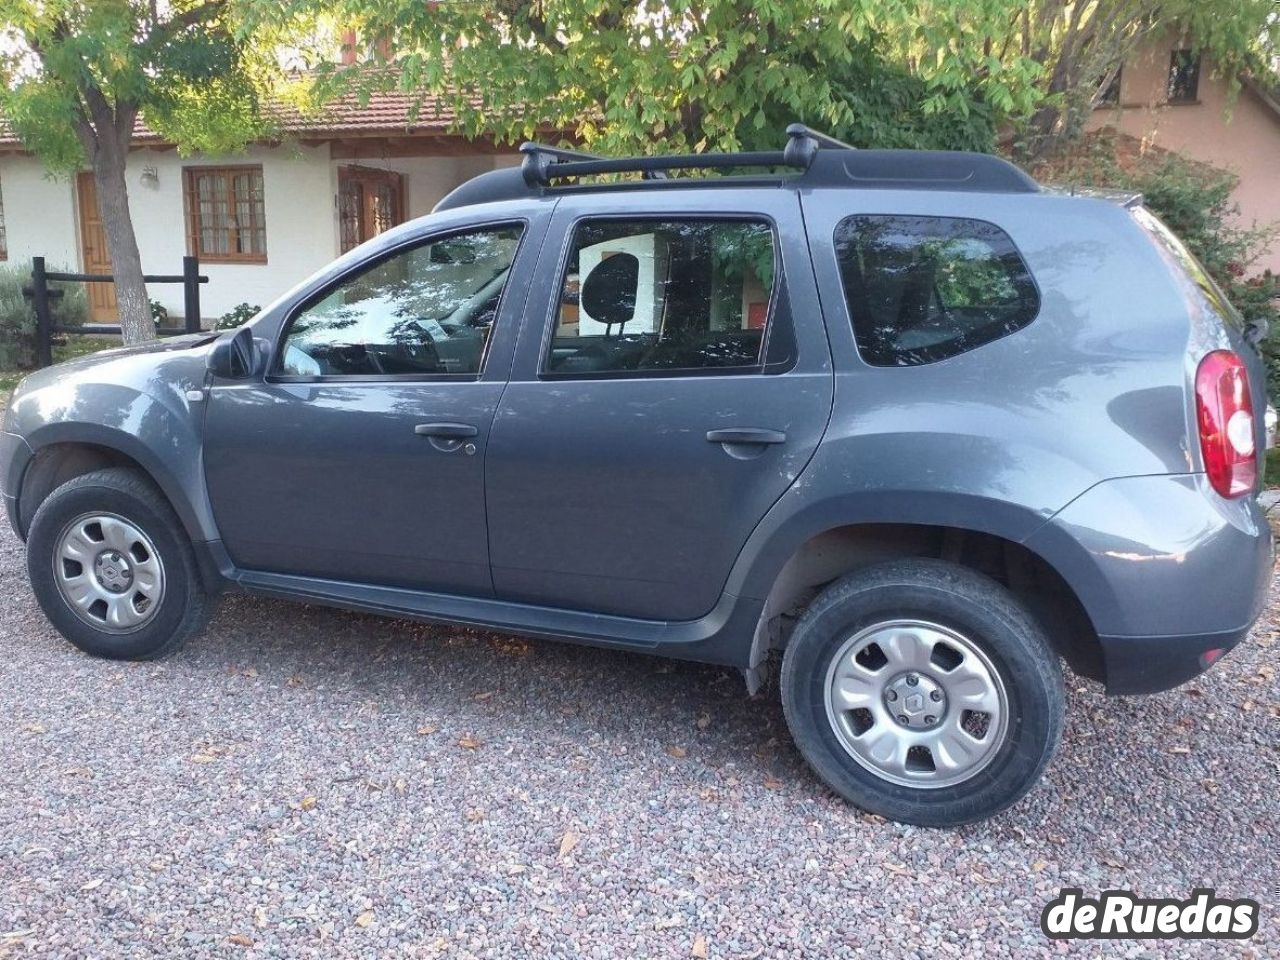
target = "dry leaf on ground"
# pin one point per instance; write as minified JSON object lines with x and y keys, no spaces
{"x":568,"y":842}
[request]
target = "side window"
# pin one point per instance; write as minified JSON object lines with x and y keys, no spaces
{"x":646,"y":297}
{"x":921,"y":289}
{"x":422,"y":311}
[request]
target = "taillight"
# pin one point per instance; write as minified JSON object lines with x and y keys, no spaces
{"x":1224,"y":411}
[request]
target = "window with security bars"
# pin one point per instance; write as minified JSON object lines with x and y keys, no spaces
{"x":226,"y":219}
{"x":369,"y":202}
{"x":1184,"y":76}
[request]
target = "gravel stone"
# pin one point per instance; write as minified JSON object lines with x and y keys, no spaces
{"x":300,"y":782}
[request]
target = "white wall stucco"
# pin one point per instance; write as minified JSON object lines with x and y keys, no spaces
{"x":300,"y":186}
{"x":39,"y":214}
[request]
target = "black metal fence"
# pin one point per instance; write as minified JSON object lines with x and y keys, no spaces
{"x":42,"y":295}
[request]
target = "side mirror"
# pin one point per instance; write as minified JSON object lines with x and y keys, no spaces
{"x":233,"y":357}
{"x":609,"y":292}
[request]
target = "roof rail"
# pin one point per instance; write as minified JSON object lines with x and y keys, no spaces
{"x":816,"y":161}
{"x":543,"y":164}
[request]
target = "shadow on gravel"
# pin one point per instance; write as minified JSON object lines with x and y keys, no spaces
{"x":456,"y":673}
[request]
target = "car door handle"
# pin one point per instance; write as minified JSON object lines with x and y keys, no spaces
{"x":446,"y":431}
{"x":746,"y":435}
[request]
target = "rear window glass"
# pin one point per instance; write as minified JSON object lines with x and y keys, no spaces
{"x":921,"y":289}
{"x":1184,"y":261}
{"x":650,"y":297}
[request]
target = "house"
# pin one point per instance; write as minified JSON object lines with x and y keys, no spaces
{"x":1166,"y":95}
{"x":260,"y":221}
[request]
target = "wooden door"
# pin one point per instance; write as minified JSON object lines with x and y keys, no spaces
{"x":369,"y":202}
{"x":93,"y":251}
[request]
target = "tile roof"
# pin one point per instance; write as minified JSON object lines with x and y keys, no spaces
{"x":386,"y":113}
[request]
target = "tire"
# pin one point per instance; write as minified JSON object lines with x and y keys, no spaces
{"x":140,"y":589}
{"x":952,"y":641}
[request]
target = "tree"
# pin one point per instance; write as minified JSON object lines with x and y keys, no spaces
{"x":723,"y":74}
{"x":1080,"y":46}
{"x":77,"y":75}
{"x":684,"y":74}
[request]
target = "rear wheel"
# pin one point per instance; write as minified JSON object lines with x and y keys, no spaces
{"x":113,"y":569}
{"x":923,"y":691}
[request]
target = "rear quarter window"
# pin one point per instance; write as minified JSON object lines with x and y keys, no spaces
{"x":922,"y":289}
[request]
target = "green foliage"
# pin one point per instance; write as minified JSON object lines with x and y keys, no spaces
{"x":633,"y":76}
{"x":68,"y":65}
{"x":18,"y":320}
{"x":623,"y":75}
{"x":1194,"y":201}
{"x":883,"y":104}
{"x":744,"y":250}
{"x":1271,"y":474}
{"x":237,"y":316}
{"x":159,"y":312}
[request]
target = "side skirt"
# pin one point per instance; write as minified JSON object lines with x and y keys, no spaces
{"x":723,"y":636}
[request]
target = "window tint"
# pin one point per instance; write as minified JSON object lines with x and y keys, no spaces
{"x":921,"y":289}
{"x":647,"y":297}
{"x":426,"y":310}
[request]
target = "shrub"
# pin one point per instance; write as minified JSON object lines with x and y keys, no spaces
{"x":1194,"y":200}
{"x":159,"y":312}
{"x":238,"y":315}
{"x":18,"y":319}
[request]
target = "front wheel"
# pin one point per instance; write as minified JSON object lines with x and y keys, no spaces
{"x":112,"y":567}
{"x":923,"y":691}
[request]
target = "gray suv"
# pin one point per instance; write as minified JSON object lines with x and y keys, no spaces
{"x":917,"y":425}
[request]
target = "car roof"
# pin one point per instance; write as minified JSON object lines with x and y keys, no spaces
{"x":810,"y":160}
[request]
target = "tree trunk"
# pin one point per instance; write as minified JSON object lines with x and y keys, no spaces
{"x":136,"y":323}
{"x":105,"y":132}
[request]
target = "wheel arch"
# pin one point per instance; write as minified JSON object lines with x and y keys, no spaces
{"x":800,"y":558}
{"x":62,"y":451}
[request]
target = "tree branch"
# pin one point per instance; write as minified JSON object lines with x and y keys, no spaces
{"x":185,"y":20}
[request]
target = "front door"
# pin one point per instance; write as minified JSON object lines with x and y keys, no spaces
{"x":672,"y":380}
{"x":93,"y":250}
{"x":370,"y":201}
{"x":360,"y":456}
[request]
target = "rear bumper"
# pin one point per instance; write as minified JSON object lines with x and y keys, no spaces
{"x":1136,"y":665}
{"x":1166,"y":570}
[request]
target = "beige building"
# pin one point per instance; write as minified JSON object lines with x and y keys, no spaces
{"x":1170,"y":98}
{"x":260,"y":221}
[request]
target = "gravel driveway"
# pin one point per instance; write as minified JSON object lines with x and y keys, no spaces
{"x":301,"y":782}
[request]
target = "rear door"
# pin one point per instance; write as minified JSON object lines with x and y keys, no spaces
{"x":672,"y":379}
